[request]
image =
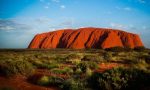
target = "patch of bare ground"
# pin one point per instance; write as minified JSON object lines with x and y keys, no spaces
{"x":20,"y":82}
{"x":106,"y":66}
{"x":48,"y":73}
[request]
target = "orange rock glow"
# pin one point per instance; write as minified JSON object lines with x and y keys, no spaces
{"x":86,"y":38}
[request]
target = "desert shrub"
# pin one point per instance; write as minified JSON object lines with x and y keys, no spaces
{"x":41,"y":65}
{"x":48,"y":66}
{"x":70,"y":84}
{"x":83,"y":66}
{"x":108,"y":56}
{"x":73,"y":84}
{"x":68,"y":70}
{"x":44,"y":81}
{"x":139,"y":64}
{"x":60,"y":58}
{"x":86,"y":68}
{"x":140,"y":48}
{"x":115,"y":49}
{"x":65,"y":70}
{"x":86,"y":64}
{"x":146,"y":58}
{"x":58,"y":71}
{"x":16,"y":67}
{"x":73,"y":61}
{"x":49,"y":80}
{"x":120,"y":79}
{"x":78,"y":71}
{"x":92,"y":58}
{"x":92,"y":65}
{"x":56,"y":80}
{"x":43,"y":56}
{"x":88,"y":72}
{"x":73,"y":58}
{"x":118,"y":49}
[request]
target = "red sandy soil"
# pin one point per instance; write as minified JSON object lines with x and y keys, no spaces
{"x":41,"y":72}
{"x":86,"y":38}
{"x":106,"y":66}
{"x":20,"y":82}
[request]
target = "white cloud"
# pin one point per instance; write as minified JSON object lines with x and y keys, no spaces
{"x":7,"y":28}
{"x":62,"y":6}
{"x":12,"y":24}
{"x":117,"y":26}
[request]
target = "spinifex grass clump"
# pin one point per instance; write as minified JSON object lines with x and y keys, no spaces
{"x":13,"y":67}
{"x":65,"y":70}
{"x":45,"y":65}
{"x":49,"y":80}
{"x":73,"y":59}
{"x":93,"y":58}
{"x":120,"y":79}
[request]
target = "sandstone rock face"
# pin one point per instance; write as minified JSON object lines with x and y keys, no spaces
{"x":86,"y":38}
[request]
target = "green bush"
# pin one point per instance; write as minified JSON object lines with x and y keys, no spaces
{"x":83,"y":66}
{"x":11,"y":67}
{"x":56,"y":81}
{"x":78,"y":71}
{"x":60,"y":58}
{"x":120,"y":79}
{"x":92,"y":58}
{"x":58,"y":71}
{"x":68,"y":70}
{"x":118,"y":49}
{"x":49,"y":80}
{"x":68,"y":84}
{"x":73,"y":59}
{"x":88,"y":72}
{"x":44,"y":81}
{"x":140,"y":48}
{"x":65,"y":70}
{"x":73,"y":56}
{"x":92,"y":65}
{"x":41,"y":65}
{"x":108,"y":56}
{"x":146,"y":58}
{"x":48,"y":66}
{"x":72,"y":84}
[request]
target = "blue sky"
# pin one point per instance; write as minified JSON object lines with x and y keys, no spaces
{"x":20,"y":20}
